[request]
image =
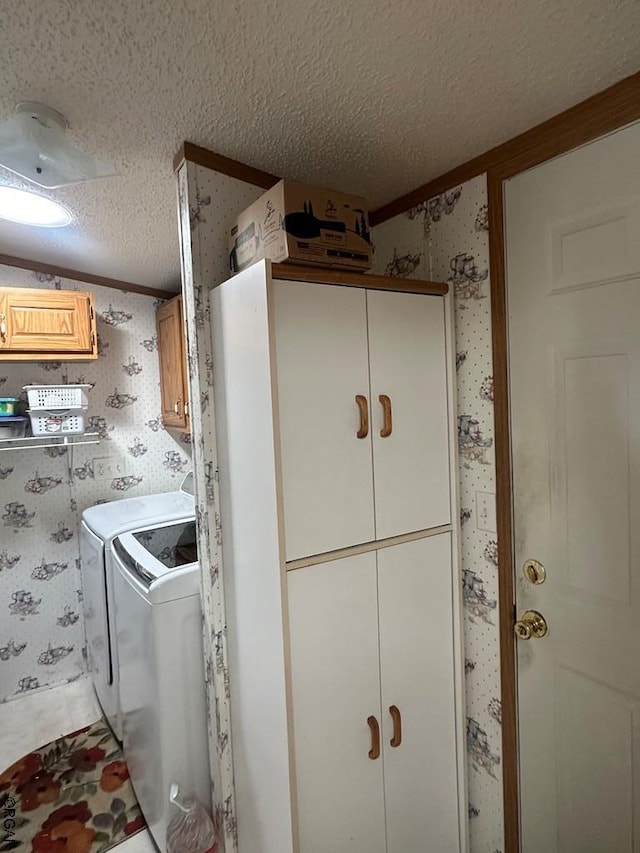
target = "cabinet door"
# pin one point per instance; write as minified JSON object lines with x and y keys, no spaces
{"x":46,"y":322}
{"x":172,"y":363}
{"x":417,"y":674}
{"x":322,"y":364}
{"x":407,"y":355}
{"x":335,"y":688}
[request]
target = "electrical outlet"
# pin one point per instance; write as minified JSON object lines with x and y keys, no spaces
{"x":109,"y":467}
{"x":486,"y":511}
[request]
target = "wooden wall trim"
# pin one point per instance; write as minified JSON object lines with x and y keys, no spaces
{"x":504,"y":504}
{"x":225,"y":165}
{"x":327,"y":275}
{"x":602,"y":113}
{"x":460,"y":175}
{"x":85,"y":277}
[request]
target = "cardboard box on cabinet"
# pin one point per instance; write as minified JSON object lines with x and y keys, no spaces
{"x":305,"y":225}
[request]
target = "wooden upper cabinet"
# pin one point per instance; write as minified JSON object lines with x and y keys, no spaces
{"x":173,"y":371}
{"x":47,"y":325}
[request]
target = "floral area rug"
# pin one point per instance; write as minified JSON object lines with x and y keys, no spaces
{"x":70,"y":796}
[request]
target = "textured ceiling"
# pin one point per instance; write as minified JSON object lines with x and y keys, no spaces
{"x":371,"y":96}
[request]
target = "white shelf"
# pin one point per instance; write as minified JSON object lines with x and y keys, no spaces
{"x":39,"y":441}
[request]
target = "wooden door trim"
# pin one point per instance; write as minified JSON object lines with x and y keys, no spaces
{"x":596,"y":116}
{"x":604,"y":113}
{"x":504,"y":514}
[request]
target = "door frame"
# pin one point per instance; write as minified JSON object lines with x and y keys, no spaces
{"x":605,"y":113}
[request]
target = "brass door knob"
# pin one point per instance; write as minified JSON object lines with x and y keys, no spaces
{"x":531,"y":624}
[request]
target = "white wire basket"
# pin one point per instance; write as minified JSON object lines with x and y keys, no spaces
{"x":69,"y":422}
{"x":57,"y":396}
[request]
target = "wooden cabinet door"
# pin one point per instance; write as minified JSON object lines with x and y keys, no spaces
{"x":407,"y":356}
{"x":171,"y":353}
{"x":46,"y":322}
{"x":322,"y":364}
{"x":417,"y":675}
{"x":335,"y":688}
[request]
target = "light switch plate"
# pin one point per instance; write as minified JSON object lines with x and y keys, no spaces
{"x":486,"y":511}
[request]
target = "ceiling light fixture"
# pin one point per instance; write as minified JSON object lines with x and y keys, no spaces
{"x":30,"y":208}
{"x":34,"y":145}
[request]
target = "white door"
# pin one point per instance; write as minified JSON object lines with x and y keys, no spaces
{"x":573,"y":264}
{"x":418,"y":698}
{"x":322,"y":366}
{"x":335,"y":681}
{"x":407,"y":357}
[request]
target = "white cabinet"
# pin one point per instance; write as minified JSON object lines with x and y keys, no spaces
{"x":340,"y":560}
{"x":407,"y":356}
{"x":320,"y":335}
{"x":417,"y":626}
{"x":335,"y":685}
{"x":364,"y":632}
{"x":362,"y":402}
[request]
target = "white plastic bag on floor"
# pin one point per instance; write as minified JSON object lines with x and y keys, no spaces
{"x":191,"y":830}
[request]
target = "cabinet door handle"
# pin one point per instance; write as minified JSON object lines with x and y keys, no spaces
{"x":176,"y":407}
{"x":396,"y":740}
{"x":363,"y":432}
{"x":3,"y":328}
{"x":374,"y":752}
{"x":387,"y":428}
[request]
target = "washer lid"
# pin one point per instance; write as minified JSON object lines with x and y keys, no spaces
{"x":108,"y":519}
{"x":162,"y":559}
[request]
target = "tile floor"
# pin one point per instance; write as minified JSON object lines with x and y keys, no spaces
{"x":35,"y":719}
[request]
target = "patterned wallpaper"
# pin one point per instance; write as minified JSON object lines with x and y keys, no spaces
{"x":446,"y":239}
{"x":41,"y":623}
{"x":208,"y":202}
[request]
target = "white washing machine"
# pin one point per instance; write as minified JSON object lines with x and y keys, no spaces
{"x":156,"y":593}
{"x":99,"y":527}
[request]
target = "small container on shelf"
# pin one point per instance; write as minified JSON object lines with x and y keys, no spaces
{"x":58,"y":409}
{"x":13,"y":426}
{"x":8,"y":406}
{"x":57,"y":396}
{"x":57,"y":421}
